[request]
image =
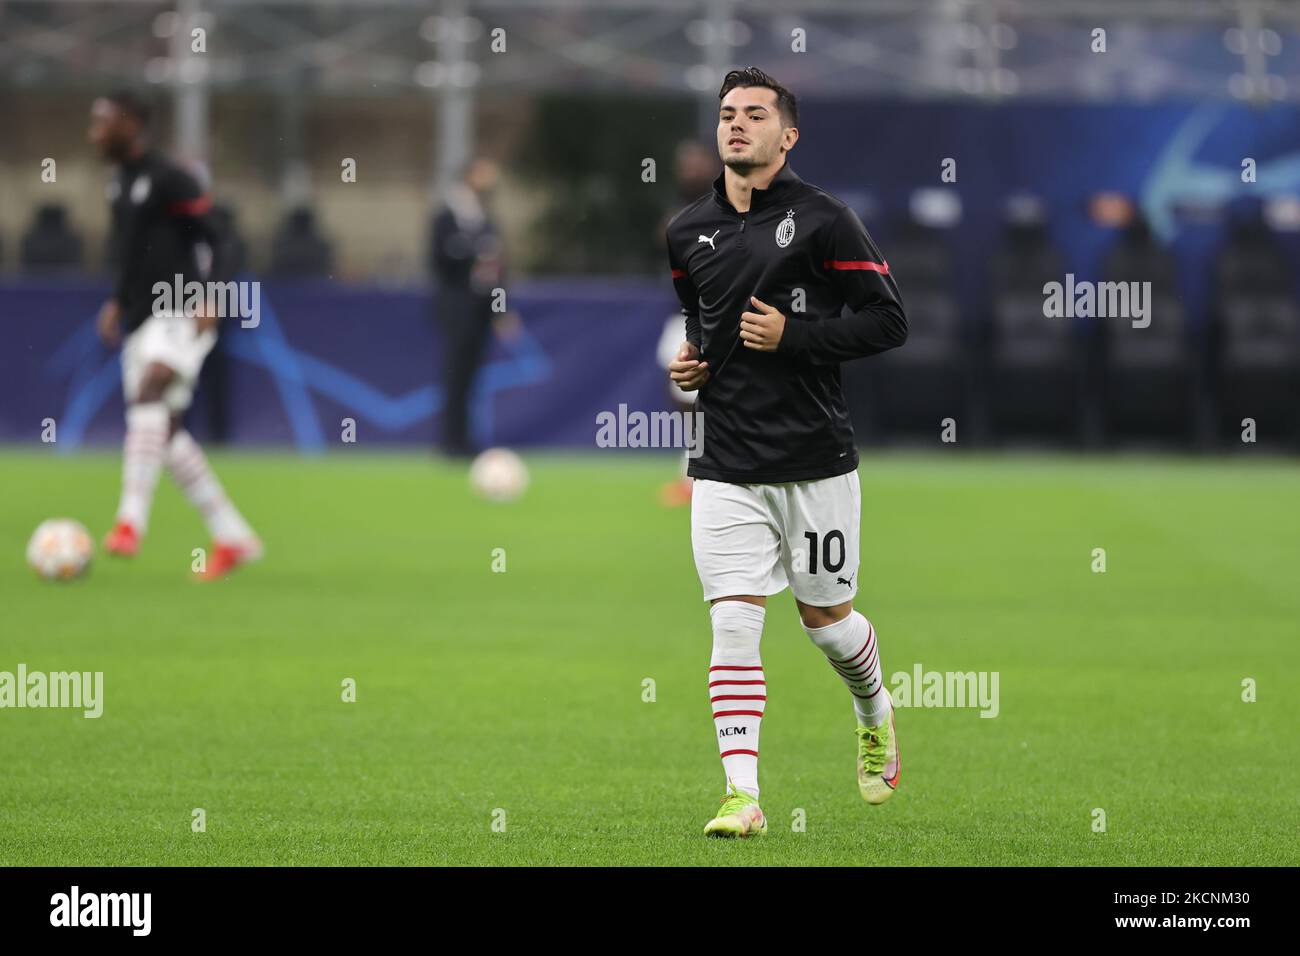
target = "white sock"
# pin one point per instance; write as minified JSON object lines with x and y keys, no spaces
{"x":737,"y":689}
{"x":142,"y":458}
{"x":850,"y":647}
{"x":190,"y":469}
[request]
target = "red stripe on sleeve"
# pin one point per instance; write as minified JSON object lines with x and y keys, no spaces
{"x":679,"y":273}
{"x":862,"y":265}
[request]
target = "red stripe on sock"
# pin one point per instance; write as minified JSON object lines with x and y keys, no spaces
{"x":862,"y":670}
{"x":725,"y":667}
{"x":738,"y":713}
{"x":714,"y":700}
{"x":732,"y":753}
{"x":843,"y":669}
{"x":717,"y":682}
{"x":849,"y":661}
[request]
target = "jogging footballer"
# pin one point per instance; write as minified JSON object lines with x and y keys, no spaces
{"x":764,"y":266}
{"x":162,"y":228}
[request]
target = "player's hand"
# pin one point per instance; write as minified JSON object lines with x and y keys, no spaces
{"x":687,"y":371}
{"x":203,"y":322}
{"x":109,"y":323}
{"x":762,"y":330}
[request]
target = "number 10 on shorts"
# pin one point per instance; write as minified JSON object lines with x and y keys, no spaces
{"x":831,"y":550}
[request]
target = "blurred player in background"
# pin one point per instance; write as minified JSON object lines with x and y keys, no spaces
{"x":467,"y":263}
{"x":763,"y":265}
{"x":162,"y":230}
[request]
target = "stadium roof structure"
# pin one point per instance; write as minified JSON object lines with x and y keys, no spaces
{"x":982,"y":49}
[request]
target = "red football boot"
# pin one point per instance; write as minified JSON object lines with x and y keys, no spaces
{"x":225,"y":556}
{"x":123,"y":540}
{"x":676,"y":493}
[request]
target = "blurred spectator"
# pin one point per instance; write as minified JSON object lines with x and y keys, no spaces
{"x":214,"y":380}
{"x":298,"y":249}
{"x":49,"y":244}
{"x":466,"y":260}
{"x":1110,"y":210}
{"x":1138,"y":257}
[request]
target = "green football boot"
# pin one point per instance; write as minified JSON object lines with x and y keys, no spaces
{"x":739,"y":816}
{"x":879,"y":764}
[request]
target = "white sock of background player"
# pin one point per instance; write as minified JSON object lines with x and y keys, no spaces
{"x":147,"y":424}
{"x":737,"y":689}
{"x":190,"y":469}
{"x":850,"y":648}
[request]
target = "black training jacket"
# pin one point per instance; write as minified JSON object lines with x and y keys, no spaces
{"x":780,"y":416}
{"x":160,"y":217}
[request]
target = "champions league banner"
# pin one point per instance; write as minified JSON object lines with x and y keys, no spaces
{"x":322,"y":353}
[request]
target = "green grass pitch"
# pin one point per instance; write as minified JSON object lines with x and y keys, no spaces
{"x":480,"y":692}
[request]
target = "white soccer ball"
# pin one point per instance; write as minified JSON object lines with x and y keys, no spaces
{"x":60,"y":549}
{"x":498,"y":474}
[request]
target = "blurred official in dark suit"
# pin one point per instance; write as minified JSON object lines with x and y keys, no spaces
{"x":467,"y":265}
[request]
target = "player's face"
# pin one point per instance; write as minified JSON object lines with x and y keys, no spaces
{"x":482,"y":176}
{"x":750,"y":134}
{"x":111,"y":130}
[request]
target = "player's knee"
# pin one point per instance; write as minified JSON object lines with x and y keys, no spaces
{"x":737,"y":625}
{"x":814,"y":617}
{"x":154,"y":382}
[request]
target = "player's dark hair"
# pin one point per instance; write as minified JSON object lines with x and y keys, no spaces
{"x":753,"y":76}
{"x":132,"y":104}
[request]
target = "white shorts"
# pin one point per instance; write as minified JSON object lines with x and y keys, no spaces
{"x":169,"y":340}
{"x":756,"y":539}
